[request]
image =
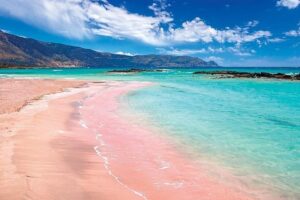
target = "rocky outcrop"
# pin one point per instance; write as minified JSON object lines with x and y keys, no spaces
{"x":134,"y":70}
{"x":236,"y":74}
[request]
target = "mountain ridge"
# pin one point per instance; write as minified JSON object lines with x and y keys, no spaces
{"x":16,"y":51}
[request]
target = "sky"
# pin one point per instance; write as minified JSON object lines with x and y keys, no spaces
{"x":260,"y":33}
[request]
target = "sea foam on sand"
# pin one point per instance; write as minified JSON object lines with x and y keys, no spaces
{"x":138,"y":159}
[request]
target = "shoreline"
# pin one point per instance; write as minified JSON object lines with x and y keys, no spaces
{"x":83,"y":142}
{"x":38,"y":161}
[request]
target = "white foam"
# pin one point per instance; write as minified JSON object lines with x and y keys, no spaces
{"x":176,"y":184}
{"x":164,"y":165}
{"x":83,"y":124}
{"x":98,"y":138}
{"x":106,"y":166}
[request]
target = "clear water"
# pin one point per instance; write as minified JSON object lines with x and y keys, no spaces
{"x":251,"y":127}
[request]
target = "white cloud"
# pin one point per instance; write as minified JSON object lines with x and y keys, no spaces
{"x":275,"y":40}
{"x":239,"y":51}
{"x":65,"y":17}
{"x":116,"y":22}
{"x":124,"y":53}
{"x":192,"y":31}
{"x":290,"y":4}
{"x":215,"y":50}
{"x":5,"y":31}
{"x":293,"y":33}
{"x":217,"y":59}
{"x":252,"y":23}
{"x":182,"y":52}
{"x":198,"y":31}
{"x":159,"y":8}
{"x":85,"y":18}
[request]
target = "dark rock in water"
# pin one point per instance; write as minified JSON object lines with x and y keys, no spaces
{"x":282,"y":76}
{"x":126,"y":71}
{"x":297,"y":76}
{"x":134,"y":70}
{"x":236,"y":74}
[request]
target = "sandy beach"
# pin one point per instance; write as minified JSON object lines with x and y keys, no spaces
{"x":76,"y":144}
{"x":16,"y":93}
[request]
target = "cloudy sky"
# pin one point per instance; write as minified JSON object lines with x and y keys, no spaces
{"x":230,"y":32}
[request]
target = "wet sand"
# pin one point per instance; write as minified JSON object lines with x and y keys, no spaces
{"x":78,"y":145}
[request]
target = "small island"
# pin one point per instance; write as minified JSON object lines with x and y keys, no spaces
{"x":236,"y":74}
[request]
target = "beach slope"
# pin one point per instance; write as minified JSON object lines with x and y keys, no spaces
{"x":79,"y":143}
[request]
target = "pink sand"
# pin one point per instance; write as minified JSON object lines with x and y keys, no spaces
{"x":77,"y":145}
{"x":139,"y":160}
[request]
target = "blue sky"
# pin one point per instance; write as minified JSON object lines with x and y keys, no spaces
{"x":230,"y":32}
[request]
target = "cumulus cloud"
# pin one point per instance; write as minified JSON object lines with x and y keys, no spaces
{"x":182,"y":52}
{"x":217,"y":59}
{"x":116,"y":22}
{"x":86,"y":18}
{"x":198,"y":31}
{"x":293,"y":33}
{"x":290,"y":4}
{"x":65,"y":17}
{"x":159,"y":8}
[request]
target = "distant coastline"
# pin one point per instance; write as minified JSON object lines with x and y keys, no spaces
{"x":23,"y":52}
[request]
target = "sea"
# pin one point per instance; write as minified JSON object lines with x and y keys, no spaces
{"x":250,"y":127}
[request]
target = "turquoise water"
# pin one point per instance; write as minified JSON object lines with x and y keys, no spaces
{"x":251,"y":127}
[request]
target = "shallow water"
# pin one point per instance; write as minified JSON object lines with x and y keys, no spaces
{"x":249,"y":127}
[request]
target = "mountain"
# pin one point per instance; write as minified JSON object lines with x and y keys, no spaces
{"x":17,"y":51}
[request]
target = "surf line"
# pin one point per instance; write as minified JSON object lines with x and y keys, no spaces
{"x":106,"y":166}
